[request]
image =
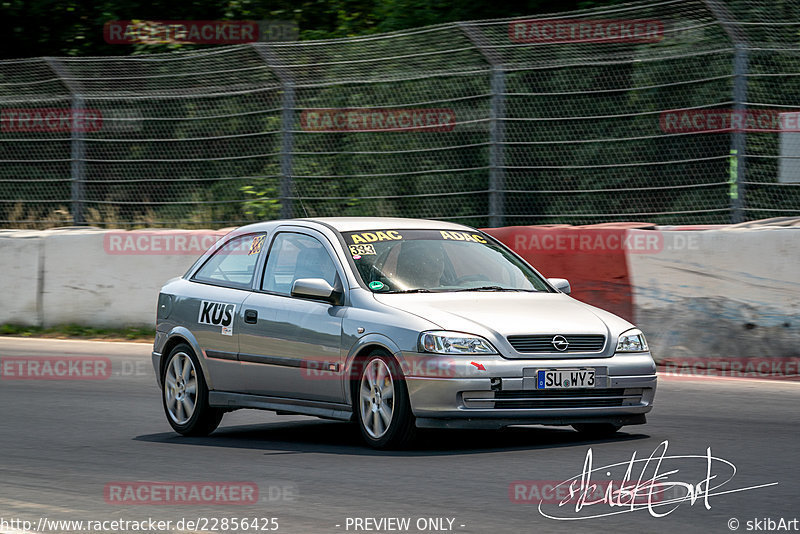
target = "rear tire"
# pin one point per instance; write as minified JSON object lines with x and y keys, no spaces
{"x":382,"y":408}
{"x":185,"y":394}
{"x":597,"y":430}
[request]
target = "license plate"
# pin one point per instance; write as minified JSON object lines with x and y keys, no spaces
{"x":565,"y":378}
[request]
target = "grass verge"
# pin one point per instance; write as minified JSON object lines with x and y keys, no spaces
{"x":74,"y":331}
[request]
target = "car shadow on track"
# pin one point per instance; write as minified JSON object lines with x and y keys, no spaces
{"x":343,"y":438}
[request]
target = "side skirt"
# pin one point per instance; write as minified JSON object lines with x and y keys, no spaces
{"x":326,"y":410}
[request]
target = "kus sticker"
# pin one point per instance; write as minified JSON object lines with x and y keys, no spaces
{"x":217,"y":314}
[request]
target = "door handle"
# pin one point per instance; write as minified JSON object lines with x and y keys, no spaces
{"x":251,"y":316}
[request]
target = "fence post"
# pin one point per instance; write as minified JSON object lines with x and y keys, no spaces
{"x":496,"y":170}
{"x":77,"y":143}
{"x":287,"y":127}
{"x":497,"y":85}
{"x":739,"y":137}
{"x":287,"y":145}
{"x":738,"y":155}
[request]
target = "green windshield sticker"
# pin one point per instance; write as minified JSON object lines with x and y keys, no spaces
{"x":376,"y":285}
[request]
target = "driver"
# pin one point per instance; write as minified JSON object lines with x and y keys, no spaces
{"x":420,"y":264}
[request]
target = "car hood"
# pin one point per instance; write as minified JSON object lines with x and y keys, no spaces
{"x":501,"y":314}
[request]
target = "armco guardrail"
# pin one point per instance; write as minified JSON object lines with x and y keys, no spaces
{"x":697,"y":293}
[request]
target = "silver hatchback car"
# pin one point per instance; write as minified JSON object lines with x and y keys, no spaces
{"x":396,"y":324}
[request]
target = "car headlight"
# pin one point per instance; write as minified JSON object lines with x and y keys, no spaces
{"x":454,"y":343}
{"x":632,"y":341}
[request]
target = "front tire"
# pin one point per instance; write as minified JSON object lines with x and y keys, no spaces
{"x":383,"y":411}
{"x":185,"y":394}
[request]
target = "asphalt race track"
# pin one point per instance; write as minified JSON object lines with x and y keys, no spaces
{"x":65,"y":441}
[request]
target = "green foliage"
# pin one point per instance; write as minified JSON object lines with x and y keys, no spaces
{"x":78,"y":331}
{"x":264,"y":203}
{"x":30,"y":28}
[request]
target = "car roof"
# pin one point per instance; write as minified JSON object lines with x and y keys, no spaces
{"x":356,"y":224}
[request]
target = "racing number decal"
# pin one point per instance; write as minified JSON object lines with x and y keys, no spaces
{"x":217,"y":314}
{"x":255,"y":246}
{"x":362,"y":250}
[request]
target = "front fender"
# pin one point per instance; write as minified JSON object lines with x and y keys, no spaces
{"x":375,"y":340}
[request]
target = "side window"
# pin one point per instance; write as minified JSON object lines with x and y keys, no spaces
{"x":295,"y":256}
{"x":234,"y":263}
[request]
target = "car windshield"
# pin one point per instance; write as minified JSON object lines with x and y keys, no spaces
{"x":397,"y":261}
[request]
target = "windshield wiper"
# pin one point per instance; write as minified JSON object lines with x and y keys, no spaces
{"x":490,"y":288}
{"x":415,"y":290}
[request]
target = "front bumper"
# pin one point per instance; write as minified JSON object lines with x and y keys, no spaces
{"x":505,"y":392}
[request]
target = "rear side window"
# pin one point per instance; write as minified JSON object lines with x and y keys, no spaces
{"x":294,"y":256}
{"x":234,"y":263}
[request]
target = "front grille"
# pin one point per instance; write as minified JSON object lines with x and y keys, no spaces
{"x":544,"y":343}
{"x":554,"y":398}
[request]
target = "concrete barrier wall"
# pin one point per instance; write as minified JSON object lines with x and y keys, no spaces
{"x":729,"y":292}
{"x":21,"y":277}
{"x":594,"y":260}
{"x":695,"y":293}
{"x":92,"y":277}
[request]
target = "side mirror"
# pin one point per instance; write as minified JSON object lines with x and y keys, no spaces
{"x":317,"y":289}
{"x":562,"y":284}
